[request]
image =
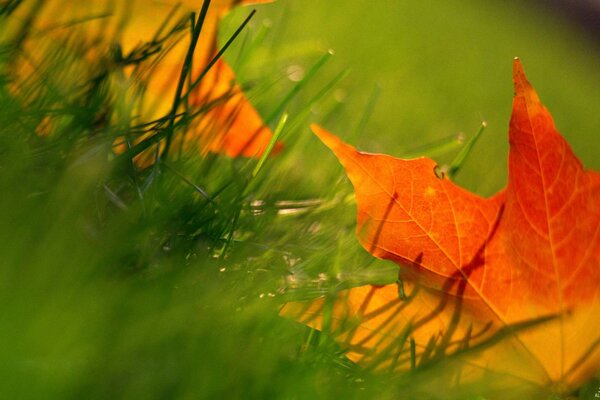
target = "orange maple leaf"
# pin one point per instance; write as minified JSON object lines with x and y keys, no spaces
{"x":476,"y":269}
{"x":231,"y":125}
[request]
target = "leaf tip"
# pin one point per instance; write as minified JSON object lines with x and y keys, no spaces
{"x":521,"y":83}
{"x":518,"y":73}
{"x":329,"y":139}
{"x":319,"y":131}
{"x":524,"y":89}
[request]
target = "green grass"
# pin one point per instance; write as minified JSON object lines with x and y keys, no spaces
{"x":116,"y":283}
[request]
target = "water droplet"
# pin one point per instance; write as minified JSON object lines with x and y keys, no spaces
{"x":295,"y":73}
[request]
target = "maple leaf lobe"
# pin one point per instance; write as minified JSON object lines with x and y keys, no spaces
{"x":408,"y":215}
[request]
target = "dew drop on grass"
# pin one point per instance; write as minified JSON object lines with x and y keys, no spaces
{"x":340,"y":95}
{"x":295,"y":73}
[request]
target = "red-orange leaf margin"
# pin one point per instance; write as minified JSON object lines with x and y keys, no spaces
{"x":474,"y":267}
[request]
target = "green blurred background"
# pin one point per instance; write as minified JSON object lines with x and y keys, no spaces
{"x":443,"y":67}
{"x":104,"y":295}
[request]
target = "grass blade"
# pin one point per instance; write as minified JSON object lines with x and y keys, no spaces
{"x":271,"y":144}
{"x":457,"y":163}
{"x":185,"y":70}
{"x":296,"y":89}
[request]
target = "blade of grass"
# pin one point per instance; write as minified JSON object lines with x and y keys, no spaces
{"x":458,"y":162}
{"x":9,"y":7}
{"x":135,"y":176}
{"x":296,"y":89}
{"x":167,"y":20}
{"x":202,"y":192}
{"x":437,"y":147}
{"x":366,"y":115}
{"x":161,"y":132}
{"x":216,"y":58}
{"x":185,"y":70}
{"x":274,"y":138}
{"x":252,"y":46}
{"x":229,"y":239}
{"x":315,"y":99}
{"x":413,"y":354}
{"x":28,"y":22}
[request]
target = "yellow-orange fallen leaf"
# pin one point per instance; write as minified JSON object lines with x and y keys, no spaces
{"x":231,"y":125}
